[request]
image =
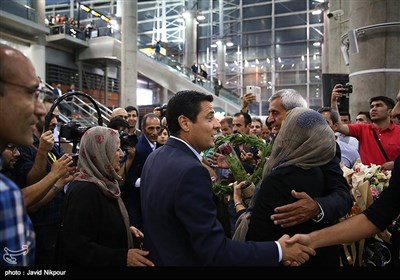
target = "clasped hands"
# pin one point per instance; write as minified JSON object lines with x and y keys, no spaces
{"x":296,"y":250}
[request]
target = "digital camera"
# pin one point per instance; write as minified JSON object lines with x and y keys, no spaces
{"x":347,"y":89}
{"x":127,"y":140}
{"x":72,"y":131}
{"x":163,"y":110}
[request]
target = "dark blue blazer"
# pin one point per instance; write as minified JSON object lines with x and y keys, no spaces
{"x":180,"y":217}
{"x":130,"y":193}
{"x":56,"y":93}
{"x":336,"y":201}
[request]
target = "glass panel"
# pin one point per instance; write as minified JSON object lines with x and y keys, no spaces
{"x":290,"y":20}
{"x":257,"y":24}
{"x":256,"y":10}
{"x":297,"y":49}
{"x":291,"y":78}
{"x":291,"y":35}
{"x":262,"y":38}
{"x":290,"y":6}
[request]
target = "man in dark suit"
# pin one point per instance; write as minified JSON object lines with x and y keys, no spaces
{"x":57,"y":91}
{"x":131,"y":189}
{"x":179,"y":214}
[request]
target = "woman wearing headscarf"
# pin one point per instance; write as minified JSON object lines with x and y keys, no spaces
{"x":305,"y":143}
{"x":95,"y":229}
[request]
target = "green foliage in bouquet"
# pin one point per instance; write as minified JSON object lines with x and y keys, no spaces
{"x":237,"y":139}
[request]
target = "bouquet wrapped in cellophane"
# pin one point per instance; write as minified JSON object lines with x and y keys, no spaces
{"x":366,"y":183}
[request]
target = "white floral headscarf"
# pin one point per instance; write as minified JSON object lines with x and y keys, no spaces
{"x":97,"y":150}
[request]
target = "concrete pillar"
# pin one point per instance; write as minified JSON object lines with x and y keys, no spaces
{"x":375,"y":69}
{"x":118,"y":12}
{"x":221,"y":50}
{"x":38,"y":58}
{"x":129,"y":54}
{"x":190,"y":54}
{"x":38,"y":49}
{"x":164,"y":95}
{"x":72,"y":7}
{"x":40,"y":9}
{"x":334,"y":28}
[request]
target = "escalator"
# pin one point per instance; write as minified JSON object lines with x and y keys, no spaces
{"x":174,"y":77}
{"x":166,"y":72}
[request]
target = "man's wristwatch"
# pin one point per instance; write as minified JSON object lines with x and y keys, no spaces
{"x":55,"y":188}
{"x":320,"y":215}
{"x":318,"y":218}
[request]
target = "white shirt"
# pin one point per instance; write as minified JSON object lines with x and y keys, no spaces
{"x":347,"y":139}
{"x":59,"y":91}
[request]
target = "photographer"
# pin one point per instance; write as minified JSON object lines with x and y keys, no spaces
{"x":382,"y":151}
{"x":127,"y":144}
{"x":160,"y":112}
{"x":34,"y":164}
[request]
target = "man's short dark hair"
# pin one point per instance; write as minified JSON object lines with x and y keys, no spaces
{"x":389,"y":102}
{"x":228,"y":120}
{"x":257,"y":119}
{"x":345,"y":113}
{"x":148,"y":116}
{"x":366,"y":113}
{"x":332,"y":114}
{"x":131,"y":108}
{"x":246,"y":116}
{"x":186,"y":103}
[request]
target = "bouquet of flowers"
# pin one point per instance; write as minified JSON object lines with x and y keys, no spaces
{"x":367,"y":183}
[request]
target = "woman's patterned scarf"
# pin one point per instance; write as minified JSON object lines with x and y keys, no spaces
{"x":97,"y":151}
{"x":304,"y":140}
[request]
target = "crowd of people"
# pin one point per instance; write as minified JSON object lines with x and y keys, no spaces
{"x":59,"y":24}
{"x":144,"y":197}
{"x":199,"y":73}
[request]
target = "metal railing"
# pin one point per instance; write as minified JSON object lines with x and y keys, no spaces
{"x":186,"y":72}
{"x":79,"y":110}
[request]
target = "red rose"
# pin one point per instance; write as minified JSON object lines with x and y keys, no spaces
{"x":99,"y":139}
